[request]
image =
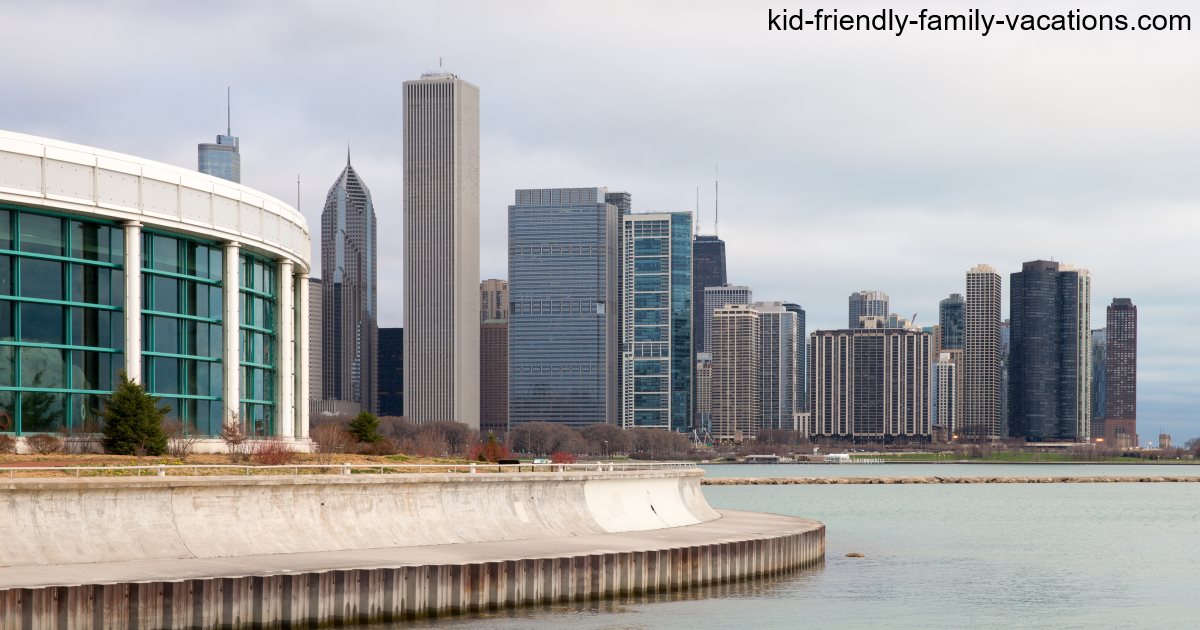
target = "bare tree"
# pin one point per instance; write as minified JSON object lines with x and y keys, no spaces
{"x":330,"y":439}
{"x":235,"y":440}
{"x":180,"y":443}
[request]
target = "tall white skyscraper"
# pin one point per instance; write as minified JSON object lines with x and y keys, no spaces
{"x":981,"y":355}
{"x":724,"y":295}
{"x":441,"y":249}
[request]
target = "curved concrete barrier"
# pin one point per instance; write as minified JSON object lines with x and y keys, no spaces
{"x":65,"y":521}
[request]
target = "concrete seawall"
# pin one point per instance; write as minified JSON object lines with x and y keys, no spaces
{"x":56,"y":521}
{"x":333,"y":550}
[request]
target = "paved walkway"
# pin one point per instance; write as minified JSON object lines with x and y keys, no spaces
{"x":731,"y":527}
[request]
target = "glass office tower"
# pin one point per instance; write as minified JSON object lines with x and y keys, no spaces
{"x":656,"y":334}
{"x":562,"y":281}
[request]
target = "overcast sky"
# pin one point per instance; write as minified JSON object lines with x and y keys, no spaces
{"x":847,"y":161}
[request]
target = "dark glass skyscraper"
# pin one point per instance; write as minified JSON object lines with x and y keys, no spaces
{"x":801,"y":389}
{"x":1050,"y":356}
{"x":563,"y":265}
{"x":952,"y":315}
{"x":349,"y":317}
{"x":708,"y":270}
{"x":391,"y":371}
{"x":1120,"y":369}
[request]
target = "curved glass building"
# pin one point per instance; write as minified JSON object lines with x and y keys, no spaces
{"x":193,"y":285}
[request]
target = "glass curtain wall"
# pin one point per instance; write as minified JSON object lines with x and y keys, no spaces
{"x":61,"y":320}
{"x":258,"y":344}
{"x":182,"y":329}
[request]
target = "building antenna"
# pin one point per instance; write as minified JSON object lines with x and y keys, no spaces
{"x":347,"y":153}
{"x":297,"y":192}
{"x":696,"y":221}
{"x":228,"y":113}
{"x":717,"y":201}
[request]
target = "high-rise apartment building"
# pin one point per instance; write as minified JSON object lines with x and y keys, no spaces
{"x":315,"y":332}
{"x":867,"y":303}
{"x":945,"y":394}
{"x":708,"y":270}
{"x":493,"y":377}
{"x":724,"y":295}
{"x":656,"y":321}
{"x":1050,"y":357}
{"x":493,"y":299}
{"x":800,"y":397}
{"x":703,"y":401}
{"x":952,"y":321}
{"x":736,"y":384}
{"x":441,"y":249}
{"x":391,"y":371}
{"x":981,"y":391}
{"x":563,"y":267}
{"x":221,"y":158}
{"x":870,"y":384}
{"x":1005,"y":347}
{"x":777,"y":351}
{"x":349,"y":303}
{"x":1120,"y":369}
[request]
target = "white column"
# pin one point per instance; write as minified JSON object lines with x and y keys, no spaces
{"x":302,"y":367}
{"x":285,"y":366}
{"x":133,"y":300}
{"x":232,"y":326}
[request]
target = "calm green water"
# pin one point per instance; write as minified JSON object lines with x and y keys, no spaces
{"x":952,"y":470}
{"x":945,"y":556}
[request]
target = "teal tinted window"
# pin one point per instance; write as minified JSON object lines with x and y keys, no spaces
{"x":41,"y":234}
{"x":182,"y":336}
{"x":257,"y":277}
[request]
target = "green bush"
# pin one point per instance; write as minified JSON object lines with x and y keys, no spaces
{"x":133,"y":421}
{"x":365,"y":428}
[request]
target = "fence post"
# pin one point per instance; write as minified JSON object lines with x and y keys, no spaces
{"x":472,"y":468}
{"x":162,"y":471}
{"x":345,"y":469}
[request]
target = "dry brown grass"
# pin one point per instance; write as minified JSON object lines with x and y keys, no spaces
{"x":68,"y":461}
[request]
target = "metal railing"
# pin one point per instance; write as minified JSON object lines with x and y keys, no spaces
{"x":200,"y":470}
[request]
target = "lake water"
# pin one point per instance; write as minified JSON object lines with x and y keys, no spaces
{"x":1117,"y":555}
{"x":952,"y":470}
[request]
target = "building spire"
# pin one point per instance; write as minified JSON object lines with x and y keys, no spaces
{"x":228,"y":113}
{"x":717,"y":201}
{"x":347,"y":153}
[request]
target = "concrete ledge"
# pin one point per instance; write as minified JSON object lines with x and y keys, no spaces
{"x":68,"y":521}
{"x":337,"y":588}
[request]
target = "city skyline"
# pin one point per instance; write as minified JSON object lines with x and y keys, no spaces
{"x":942,"y":175}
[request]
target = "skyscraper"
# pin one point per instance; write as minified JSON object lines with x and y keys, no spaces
{"x":222,"y":158}
{"x":1050,"y":357}
{"x":724,"y":295}
{"x":1099,"y":350}
{"x":391,"y":371}
{"x":952,"y":321}
{"x":656,"y":320}
{"x":708,"y":270}
{"x":867,"y":303}
{"x":1121,"y":372}
{"x":441,"y":249}
{"x":493,"y":300}
{"x":349,"y":316}
{"x":945,"y":398}
{"x":871,"y":384}
{"x":493,"y":377}
{"x":316,"y":332}
{"x":736,"y":385}
{"x":563,"y":266}
{"x":981,"y":355}
{"x":778,"y":338}
{"x":800,"y":401}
